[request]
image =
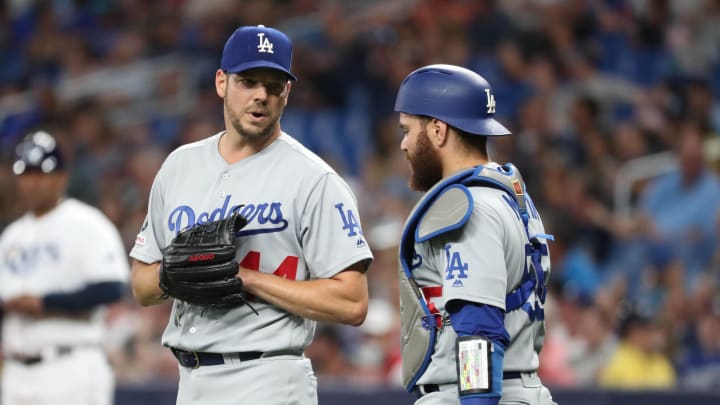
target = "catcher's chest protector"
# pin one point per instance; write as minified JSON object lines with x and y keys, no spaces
{"x":446,"y":207}
{"x":417,"y":342}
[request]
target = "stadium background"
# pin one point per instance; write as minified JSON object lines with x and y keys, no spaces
{"x":608,"y":102}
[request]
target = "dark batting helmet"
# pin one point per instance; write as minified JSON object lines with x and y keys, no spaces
{"x":37,"y":152}
{"x":453,"y":94}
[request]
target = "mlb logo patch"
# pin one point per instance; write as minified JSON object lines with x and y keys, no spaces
{"x":140,"y":241}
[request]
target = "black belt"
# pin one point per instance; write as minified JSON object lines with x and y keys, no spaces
{"x":421,"y":390}
{"x":197,"y":359}
{"x":512,"y":375}
{"x":33,"y":360}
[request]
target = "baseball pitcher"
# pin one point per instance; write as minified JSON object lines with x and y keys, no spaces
{"x":254,"y":237}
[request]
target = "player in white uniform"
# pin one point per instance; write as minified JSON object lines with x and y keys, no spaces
{"x":59,"y":265}
{"x":474,"y":257}
{"x":302,"y":254}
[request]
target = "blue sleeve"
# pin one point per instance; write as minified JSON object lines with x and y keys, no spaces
{"x":87,"y":298}
{"x":472,"y":319}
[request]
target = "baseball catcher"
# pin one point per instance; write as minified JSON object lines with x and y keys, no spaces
{"x":199,"y":266}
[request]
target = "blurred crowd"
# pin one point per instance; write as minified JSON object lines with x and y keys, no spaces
{"x":614,"y":107}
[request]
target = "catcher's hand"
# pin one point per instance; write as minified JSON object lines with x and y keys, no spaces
{"x":199,"y":266}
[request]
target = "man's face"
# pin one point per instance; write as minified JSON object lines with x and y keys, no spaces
{"x":690,"y":153}
{"x":425,"y":164}
{"x":254,"y":100}
{"x":39,"y":192}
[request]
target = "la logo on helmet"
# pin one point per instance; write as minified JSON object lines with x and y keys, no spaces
{"x":490,"y":102}
{"x":264,"y":44}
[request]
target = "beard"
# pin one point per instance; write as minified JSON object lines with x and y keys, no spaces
{"x":249,"y":132}
{"x":425,"y":165}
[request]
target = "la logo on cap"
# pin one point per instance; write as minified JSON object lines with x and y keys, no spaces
{"x":251,"y":47}
{"x":264,"y":44}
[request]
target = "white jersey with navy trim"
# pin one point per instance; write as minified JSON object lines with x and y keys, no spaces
{"x":303,"y":224}
{"x":481,"y":262}
{"x":62,"y":251}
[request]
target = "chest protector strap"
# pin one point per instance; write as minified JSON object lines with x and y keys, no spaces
{"x":508,"y":179}
{"x":446,"y":207}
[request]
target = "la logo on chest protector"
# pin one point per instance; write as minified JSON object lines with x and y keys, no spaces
{"x":264,"y":44}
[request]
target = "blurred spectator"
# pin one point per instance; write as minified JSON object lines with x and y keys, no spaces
{"x":329,"y":360}
{"x":559,"y":342}
{"x":679,"y":212}
{"x":377,"y":356}
{"x":598,"y":343}
{"x":133,"y":344}
{"x":639,"y":361}
{"x":699,"y":368}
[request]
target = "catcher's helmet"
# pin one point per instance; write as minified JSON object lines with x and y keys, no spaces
{"x":37,"y":152}
{"x":453,"y":94}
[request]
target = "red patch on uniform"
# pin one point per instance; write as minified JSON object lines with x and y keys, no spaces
{"x":517,"y":187}
{"x":202,"y":257}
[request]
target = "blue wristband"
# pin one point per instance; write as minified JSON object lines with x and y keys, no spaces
{"x":87,"y":298}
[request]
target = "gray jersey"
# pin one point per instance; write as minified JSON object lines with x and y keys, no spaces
{"x":481,"y":262}
{"x":303,"y":224}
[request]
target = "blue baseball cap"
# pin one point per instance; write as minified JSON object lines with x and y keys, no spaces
{"x":259,"y":46}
